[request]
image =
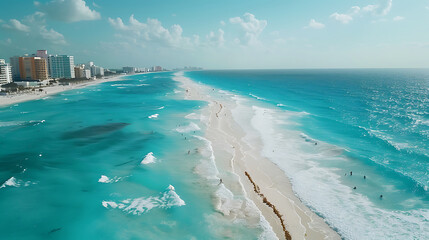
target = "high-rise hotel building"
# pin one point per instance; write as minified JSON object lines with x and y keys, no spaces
{"x":33,"y":68}
{"x":5,"y":72}
{"x":61,"y":66}
{"x":14,"y":63}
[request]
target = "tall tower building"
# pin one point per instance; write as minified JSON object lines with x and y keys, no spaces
{"x":44,"y":54}
{"x":61,"y":66}
{"x":5,"y":72}
{"x":14,"y":63}
{"x":41,"y":68}
{"x":33,"y":68}
{"x":27,"y":70}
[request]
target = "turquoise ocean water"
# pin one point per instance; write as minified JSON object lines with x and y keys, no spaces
{"x":71,"y":164}
{"x":320,"y":125}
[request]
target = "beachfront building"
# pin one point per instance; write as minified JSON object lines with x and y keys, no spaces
{"x":129,"y":70}
{"x":5,"y":72}
{"x":61,"y":66}
{"x":81,"y":72}
{"x":156,"y":68}
{"x":42,"y":54}
{"x":33,"y":68}
{"x":42,"y":70}
{"x":97,"y":71}
{"x":14,"y":63}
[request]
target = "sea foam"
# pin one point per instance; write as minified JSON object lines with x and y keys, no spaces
{"x":189,"y":128}
{"x":149,"y":158}
{"x":338,"y":203}
{"x":106,"y":179}
{"x":13,"y":182}
{"x":138,"y":206}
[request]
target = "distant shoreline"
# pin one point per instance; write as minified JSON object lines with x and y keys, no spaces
{"x":6,"y":100}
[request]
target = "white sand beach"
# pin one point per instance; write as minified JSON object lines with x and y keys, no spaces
{"x":51,"y":90}
{"x":258,"y":176}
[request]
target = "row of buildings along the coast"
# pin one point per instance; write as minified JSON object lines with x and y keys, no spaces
{"x":41,"y":66}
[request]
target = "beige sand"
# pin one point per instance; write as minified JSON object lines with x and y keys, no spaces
{"x":50,"y":90}
{"x":233,"y":154}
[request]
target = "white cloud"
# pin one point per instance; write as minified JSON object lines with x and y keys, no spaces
{"x":16,"y":25}
{"x":35,"y":26}
{"x":343,"y":18}
{"x":355,"y":10}
{"x":386,"y":7}
{"x":374,"y":9}
{"x":250,"y":26}
{"x":151,"y":32}
{"x":315,"y":25}
{"x":52,"y":35}
{"x":216,"y":39}
{"x":370,"y":8}
{"x":398,"y":18}
{"x":68,"y":10}
{"x":379,"y":9}
{"x":222,"y":23}
{"x":346,"y":17}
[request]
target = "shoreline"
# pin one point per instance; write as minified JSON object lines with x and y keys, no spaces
{"x":6,"y":100}
{"x":262,"y":181}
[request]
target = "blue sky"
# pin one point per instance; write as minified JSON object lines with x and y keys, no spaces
{"x":222,"y":33}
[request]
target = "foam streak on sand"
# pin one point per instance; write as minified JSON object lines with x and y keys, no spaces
{"x":234,"y":157}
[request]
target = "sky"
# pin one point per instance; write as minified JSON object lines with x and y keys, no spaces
{"x":222,"y":34}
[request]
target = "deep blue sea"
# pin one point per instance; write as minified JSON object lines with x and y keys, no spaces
{"x":123,"y":160}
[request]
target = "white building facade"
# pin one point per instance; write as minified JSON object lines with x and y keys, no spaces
{"x":5,"y":72}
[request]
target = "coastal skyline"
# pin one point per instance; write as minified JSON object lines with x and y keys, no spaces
{"x":274,"y":34}
{"x":268,"y":120}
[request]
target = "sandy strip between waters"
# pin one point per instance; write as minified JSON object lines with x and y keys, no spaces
{"x":51,"y":90}
{"x":263,"y":181}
